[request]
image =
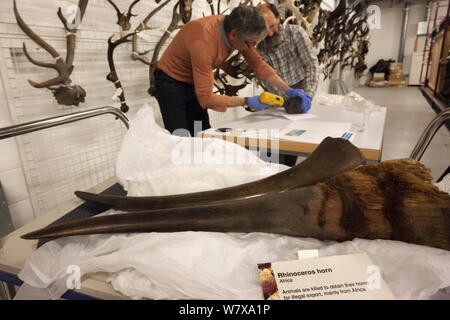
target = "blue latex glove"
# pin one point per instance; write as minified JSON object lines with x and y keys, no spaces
{"x":306,"y":103}
{"x":254,"y":103}
{"x":306,"y":98}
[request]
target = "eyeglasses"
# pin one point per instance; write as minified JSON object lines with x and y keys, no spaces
{"x":251,"y":44}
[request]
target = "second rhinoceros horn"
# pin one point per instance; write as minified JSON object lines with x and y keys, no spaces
{"x":333,"y":156}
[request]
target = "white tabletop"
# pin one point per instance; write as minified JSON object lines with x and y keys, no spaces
{"x":370,"y":141}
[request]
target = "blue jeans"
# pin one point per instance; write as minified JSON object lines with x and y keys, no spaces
{"x":179,"y":105}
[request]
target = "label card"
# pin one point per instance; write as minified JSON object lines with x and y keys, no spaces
{"x":345,"y":277}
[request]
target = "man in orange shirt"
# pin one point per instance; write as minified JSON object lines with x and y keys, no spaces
{"x":184,"y":78}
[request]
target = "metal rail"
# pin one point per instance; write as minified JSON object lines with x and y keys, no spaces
{"x":428,"y":134}
{"x":32,"y":126}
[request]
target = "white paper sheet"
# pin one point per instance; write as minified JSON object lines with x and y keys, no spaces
{"x":316,"y":131}
{"x":320,"y":125}
{"x":279,"y":112}
{"x":296,"y":117}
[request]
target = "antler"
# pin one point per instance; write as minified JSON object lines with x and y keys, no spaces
{"x":71,"y":29}
{"x":136,"y":55}
{"x":211,"y":6}
{"x":289,"y":4}
{"x":124,"y":23}
{"x":186,"y":10}
{"x":112,"y":75}
{"x":176,"y":18}
{"x":310,"y":10}
{"x":129,"y":14}
{"x":70,"y":95}
{"x":123,"y":20}
{"x":345,"y":37}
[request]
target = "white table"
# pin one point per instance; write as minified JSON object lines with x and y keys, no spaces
{"x":369,"y":141}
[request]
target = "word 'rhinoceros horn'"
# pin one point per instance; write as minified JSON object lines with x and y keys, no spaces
{"x":391,"y":200}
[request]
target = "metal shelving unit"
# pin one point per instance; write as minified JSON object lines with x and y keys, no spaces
{"x":435,"y":28}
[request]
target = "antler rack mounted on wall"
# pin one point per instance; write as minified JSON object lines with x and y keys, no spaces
{"x":63,"y":91}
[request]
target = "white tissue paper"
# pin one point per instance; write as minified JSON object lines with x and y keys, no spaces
{"x":352,"y":101}
{"x":153,"y":162}
{"x":206,"y":265}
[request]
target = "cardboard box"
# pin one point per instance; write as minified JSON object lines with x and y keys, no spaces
{"x":382,"y":83}
{"x":397,"y":83}
{"x":378,"y":76}
{"x":395,"y":65}
{"x":395,"y":77}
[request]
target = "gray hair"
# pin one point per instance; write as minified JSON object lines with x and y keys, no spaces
{"x":247,"y":21}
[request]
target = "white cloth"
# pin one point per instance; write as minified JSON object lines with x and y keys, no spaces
{"x":205,"y":265}
{"x":153,"y":162}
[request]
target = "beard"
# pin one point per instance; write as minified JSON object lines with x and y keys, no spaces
{"x":273,"y":41}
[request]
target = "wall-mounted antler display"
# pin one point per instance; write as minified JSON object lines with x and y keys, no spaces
{"x":125,"y":25}
{"x":112,"y":75}
{"x":64,"y":93}
{"x":136,"y":54}
{"x":344,"y":34}
{"x":186,"y":10}
{"x":301,"y":20}
{"x":123,"y":19}
{"x":236,"y":68}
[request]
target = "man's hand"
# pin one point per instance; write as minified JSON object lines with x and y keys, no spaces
{"x":306,"y":98}
{"x":254,"y":103}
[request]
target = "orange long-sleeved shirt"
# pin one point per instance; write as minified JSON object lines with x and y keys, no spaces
{"x":197,"y":50}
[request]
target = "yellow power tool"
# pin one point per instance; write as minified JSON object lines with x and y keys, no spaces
{"x":291,"y":106}
{"x":269,"y":98}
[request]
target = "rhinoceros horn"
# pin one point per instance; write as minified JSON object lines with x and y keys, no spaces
{"x":331,"y":157}
{"x":390,"y":200}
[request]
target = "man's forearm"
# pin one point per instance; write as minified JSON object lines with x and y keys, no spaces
{"x":237,"y":101}
{"x":231,"y":102}
{"x":276,"y":81}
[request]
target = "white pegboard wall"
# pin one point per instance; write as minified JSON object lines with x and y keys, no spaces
{"x":79,"y":155}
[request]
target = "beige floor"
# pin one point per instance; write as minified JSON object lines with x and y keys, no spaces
{"x":408,"y":114}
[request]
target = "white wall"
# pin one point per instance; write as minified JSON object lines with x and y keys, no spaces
{"x":11,"y":172}
{"x":385,"y":42}
{"x":417,"y":13}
